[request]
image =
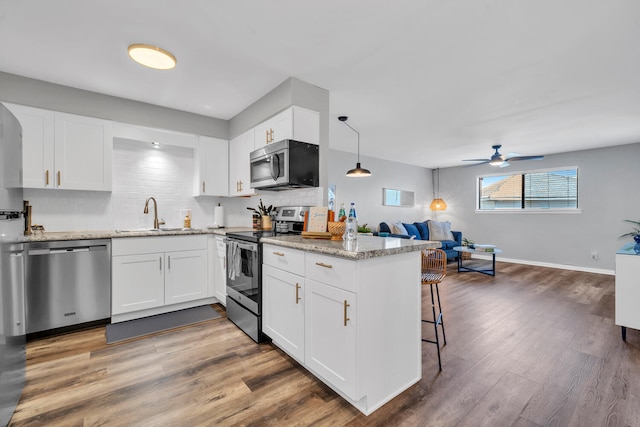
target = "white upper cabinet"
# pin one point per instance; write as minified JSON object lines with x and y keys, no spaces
{"x":212,"y":178}
{"x":239,"y":167}
{"x":64,"y":151}
{"x":293,"y":123}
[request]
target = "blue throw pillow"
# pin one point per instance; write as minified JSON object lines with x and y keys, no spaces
{"x":423,"y":229}
{"x":412,"y":230}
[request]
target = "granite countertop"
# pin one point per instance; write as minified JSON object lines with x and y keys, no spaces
{"x":114,"y":234}
{"x":365,"y":247}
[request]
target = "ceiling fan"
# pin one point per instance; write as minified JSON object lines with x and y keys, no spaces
{"x":499,"y":160}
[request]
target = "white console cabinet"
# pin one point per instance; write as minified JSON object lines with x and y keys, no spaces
{"x":153,"y":275}
{"x":355,"y":324}
{"x":627,"y":289}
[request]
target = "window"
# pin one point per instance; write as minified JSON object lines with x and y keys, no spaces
{"x":537,"y":190}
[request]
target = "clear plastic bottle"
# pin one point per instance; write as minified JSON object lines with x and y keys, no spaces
{"x":352,"y":211}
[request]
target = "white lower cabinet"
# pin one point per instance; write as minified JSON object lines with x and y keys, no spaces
{"x":330,"y":335}
{"x":137,"y":282}
{"x":284,"y":310}
{"x":153,"y":275}
{"x":185,"y":277}
{"x":354,"y":324}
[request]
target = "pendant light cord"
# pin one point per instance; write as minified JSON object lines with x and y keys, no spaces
{"x":357,"y":133}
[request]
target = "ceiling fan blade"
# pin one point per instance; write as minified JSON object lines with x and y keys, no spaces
{"x":511,"y":156}
{"x":504,"y":164}
{"x":477,"y":160}
{"x":527,"y":158}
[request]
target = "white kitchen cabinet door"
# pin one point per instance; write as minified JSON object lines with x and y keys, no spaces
{"x":239,"y":168}
{"x":137,"y":282}
{"x":213,"y":171}
{"x":293,"y":123}
{"x":220,"y":272}
{"x":83,"y":153}
{"x":185,"y":276}
{"x":283,"y":310}
{"x":330,"y":335}
{"x":37,"y":145}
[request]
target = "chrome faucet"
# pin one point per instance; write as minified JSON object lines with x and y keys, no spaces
{"x":156,"y":221}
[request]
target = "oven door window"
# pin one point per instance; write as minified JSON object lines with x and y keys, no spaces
{"x":269,"y":168}
{"x":243,"y":273}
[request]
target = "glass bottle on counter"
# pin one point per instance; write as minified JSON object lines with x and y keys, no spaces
{"x":341,"y":212}
{"x":352,"y":224}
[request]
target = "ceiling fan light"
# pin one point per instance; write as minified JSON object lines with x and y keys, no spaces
{"x":358,"y":172}
{"x":152,"y":56}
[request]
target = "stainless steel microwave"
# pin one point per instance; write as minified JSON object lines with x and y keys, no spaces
{"x":285,"y":164}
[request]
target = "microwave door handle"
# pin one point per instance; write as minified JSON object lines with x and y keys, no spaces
{"x":275,"y":167}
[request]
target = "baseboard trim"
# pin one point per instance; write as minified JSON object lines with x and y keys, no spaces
{"x":550,"y":265}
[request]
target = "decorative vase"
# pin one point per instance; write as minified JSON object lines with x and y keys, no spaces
{"x":266,"y":222}
{"x":636,"y":248}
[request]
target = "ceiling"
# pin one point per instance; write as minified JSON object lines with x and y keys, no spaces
{"x":424,"y":82}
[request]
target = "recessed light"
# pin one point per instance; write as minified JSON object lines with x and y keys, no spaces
{"x":155,"y":145}
{"x":152,"y":56}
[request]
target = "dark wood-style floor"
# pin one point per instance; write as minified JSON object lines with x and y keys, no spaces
{"x":531,"y":347}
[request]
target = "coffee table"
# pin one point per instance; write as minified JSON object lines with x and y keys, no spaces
{"x":462,"y":268}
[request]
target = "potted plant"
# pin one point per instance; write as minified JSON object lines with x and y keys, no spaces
{"x":264,"y":212}
{"x":635,"y":234}
{"x":364,"y":229}
{"x":468,"y":243}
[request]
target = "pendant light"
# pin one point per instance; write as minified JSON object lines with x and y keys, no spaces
{"x":437,"y":204}
{"x":358,"y":171}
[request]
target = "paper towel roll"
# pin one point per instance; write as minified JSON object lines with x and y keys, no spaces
{"x":218,"y":216}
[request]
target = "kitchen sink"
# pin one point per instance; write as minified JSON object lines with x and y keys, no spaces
{"x":158,"y":230}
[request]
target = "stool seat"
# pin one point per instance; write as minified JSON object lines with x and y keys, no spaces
{"x":434,"y":270}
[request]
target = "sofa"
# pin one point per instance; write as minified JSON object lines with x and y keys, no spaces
{"x":420,"y":231}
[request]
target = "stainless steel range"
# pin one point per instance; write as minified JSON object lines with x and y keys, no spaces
{"x":244,"y":270}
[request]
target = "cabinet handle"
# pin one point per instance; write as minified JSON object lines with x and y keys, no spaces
{"x":169,"y":262}
{"x":322,"y":264}
{"x":346,"y":319}
{"x":266,"y":137}
{"x":297,"y":294}
{"x":203,"y":187}
{"x":58,"y":178}
{"x":278,"y":253}
{"x":160,"y":263}
{"x":46,"y":177}
{"x":271,"y":135}
{"x":240,"y":185}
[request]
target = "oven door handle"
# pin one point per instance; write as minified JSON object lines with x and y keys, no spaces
{"x":246,"y":246}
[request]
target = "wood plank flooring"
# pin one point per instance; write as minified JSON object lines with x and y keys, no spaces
{"x":532,"y":346}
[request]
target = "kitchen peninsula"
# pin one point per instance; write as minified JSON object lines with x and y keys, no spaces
{"x":350,"y":313}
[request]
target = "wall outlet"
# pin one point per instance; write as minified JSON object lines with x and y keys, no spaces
{"x":594,"y":254}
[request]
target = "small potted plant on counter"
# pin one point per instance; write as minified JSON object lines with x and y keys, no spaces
{"x":363,"y":229}
{"x":265,"y":213}
{"x":635,"y":234}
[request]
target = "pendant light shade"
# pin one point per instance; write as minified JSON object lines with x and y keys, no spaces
{"x":358,"y":171}
{"x":437,"y":204}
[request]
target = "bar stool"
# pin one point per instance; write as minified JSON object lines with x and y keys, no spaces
{"x":434,"y":270}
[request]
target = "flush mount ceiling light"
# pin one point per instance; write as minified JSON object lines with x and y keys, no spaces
{"x":152,"y":56}
{"x":358,"y":171}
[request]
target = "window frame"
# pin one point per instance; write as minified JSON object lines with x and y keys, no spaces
{"x":525,"y":210}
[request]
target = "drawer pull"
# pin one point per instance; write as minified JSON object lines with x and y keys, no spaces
{"x":297,"y":294}
{"x":346,"y":319}
{"x":322,"y":264}
{"x":278,"y":253}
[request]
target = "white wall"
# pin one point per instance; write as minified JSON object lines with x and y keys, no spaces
{"x":366,"y":192}
{"x":607,"y":194}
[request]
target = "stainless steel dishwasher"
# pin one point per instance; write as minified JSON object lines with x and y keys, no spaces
{"x":67,"y":283}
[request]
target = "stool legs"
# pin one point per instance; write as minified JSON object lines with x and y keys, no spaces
{"x":437,"y":320}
